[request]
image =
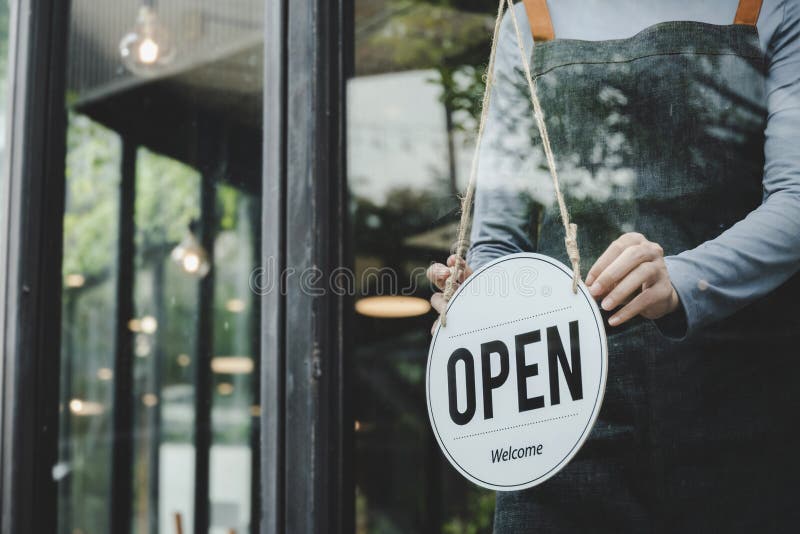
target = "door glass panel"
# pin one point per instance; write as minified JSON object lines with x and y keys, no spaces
{"x":412,"y":114}
{"x":161,"y":233}
{"x":234,"y":417}
{"x":164,"y":340}
{"x":88,"y":311}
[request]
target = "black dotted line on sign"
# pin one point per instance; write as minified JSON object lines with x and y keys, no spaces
{"x":515,"y":426}
{"x":510,"y":322}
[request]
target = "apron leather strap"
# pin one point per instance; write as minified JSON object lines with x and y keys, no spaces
{"x":542,"y":25}
{"x":539,"y":19}
{"x":747,"y":12}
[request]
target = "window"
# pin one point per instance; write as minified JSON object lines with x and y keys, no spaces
{"x":412,"y":115}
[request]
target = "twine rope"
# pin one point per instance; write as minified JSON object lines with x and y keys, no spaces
{"x":570,"y":229}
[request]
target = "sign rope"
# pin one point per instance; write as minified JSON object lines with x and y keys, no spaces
{"x":570,"y":229}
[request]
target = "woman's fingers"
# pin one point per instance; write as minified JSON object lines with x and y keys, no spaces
{"x":627,"y":260}
{"x":649,"y":299}
{"x":611,"y":253}
{"x":632,"y":276}
{"x":433,"y":328}
{"x":642,"y":275}
{"x":438,"y":303}
{"x":465,"y":269}
{"x":438,"y":274}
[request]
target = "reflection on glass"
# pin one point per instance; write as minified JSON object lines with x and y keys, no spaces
{"x":412,"y":109}
{"x":160,"y":346}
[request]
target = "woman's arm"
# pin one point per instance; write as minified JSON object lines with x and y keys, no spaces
{"x":759,"y":253}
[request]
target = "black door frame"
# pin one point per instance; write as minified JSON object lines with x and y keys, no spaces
{"x":307,"y":429}
{"x":31,"y":237}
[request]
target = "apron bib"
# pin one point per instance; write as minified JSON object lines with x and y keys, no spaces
{"x":663,"y":134}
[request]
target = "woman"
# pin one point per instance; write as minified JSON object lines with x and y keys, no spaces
{"x":677,"y":147}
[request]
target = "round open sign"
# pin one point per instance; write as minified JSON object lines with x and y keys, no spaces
{"x":516,"y":379}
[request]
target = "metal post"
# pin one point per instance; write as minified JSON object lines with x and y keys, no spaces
{"x":254,"y":213}
{"x":122,"y":452}
{"x":273,"y":246}
{"x":31,"y":230}
{"x":67,"y":362}
{"x":156,"y":379}
{"x":205,"y":344}
{"x":318,"y":492}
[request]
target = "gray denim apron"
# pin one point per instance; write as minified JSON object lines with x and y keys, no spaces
{"x":663,"y":134}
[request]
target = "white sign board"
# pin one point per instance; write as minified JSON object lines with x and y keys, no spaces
{"x":516,"y":379}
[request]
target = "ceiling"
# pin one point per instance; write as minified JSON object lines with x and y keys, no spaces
{"x":218,"y":73}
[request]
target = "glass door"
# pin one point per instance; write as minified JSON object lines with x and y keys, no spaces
{"x":159,"y":390}
{"x":412,"y":114}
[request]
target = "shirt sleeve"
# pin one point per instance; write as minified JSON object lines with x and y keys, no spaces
{"x":503,"y":204}
{"x":760,"y":252}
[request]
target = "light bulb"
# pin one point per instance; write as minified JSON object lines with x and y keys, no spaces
{"x":148,"y":51}
{"x":149,"y":324}
{"x":191,"y":256}
{"x":191,"y":262}
{"x":147,"y":48}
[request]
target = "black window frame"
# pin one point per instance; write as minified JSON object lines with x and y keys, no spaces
{"x":31,"y":234}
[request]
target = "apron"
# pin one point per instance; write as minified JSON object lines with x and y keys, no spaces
{"x":663,"y":134}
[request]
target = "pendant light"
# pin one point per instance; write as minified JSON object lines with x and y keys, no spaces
{"x":190,"y":255}
{"x":147,"y":48}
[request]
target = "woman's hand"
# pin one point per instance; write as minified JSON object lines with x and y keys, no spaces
{"x":632,"y":265}
{"x":438,"y":275}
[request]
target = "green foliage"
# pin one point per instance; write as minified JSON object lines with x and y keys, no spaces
{"x":411,"y":372}
{"x":92,"y":191}
{"x":405,"y":35}
{"x":227,"y":203}
{"x":167,"y":200}
{"x":462,"y":94}
{"x":478,"y":518}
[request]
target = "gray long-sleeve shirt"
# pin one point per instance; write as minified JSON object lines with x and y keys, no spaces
{"x":748,"y":260}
